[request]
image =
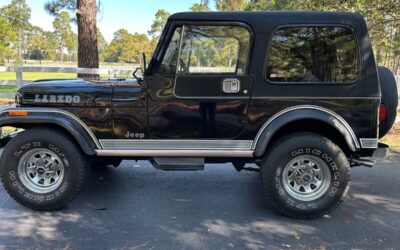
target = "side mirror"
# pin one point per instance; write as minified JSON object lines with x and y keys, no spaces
{"x":138,"y":75}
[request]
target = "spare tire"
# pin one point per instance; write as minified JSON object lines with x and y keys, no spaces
{"x":389,"y":98}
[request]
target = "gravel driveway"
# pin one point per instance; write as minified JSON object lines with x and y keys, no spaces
{"x":137,"y":207}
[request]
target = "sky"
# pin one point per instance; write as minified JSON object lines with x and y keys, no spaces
{"x":133,"y":15}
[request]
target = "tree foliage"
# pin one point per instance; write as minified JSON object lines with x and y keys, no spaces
{"x":159,"y":22}
{"x":7,"y":38}
{"x":55,"y":6}
{"x":64,"y":34}
{"x":202,"y":6}
{"x":126,"y":47}
{"x":42,"y":45}
{"x":231,"y":5}
{"x":102,"y":44}
{"x":17,"y":14}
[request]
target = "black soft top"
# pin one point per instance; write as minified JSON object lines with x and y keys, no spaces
{"x":262,"y":21}
{"x":263,"y":24}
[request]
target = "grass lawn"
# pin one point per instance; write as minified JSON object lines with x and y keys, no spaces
{"x":30,"y":76}
{"x":7,"y":130}
{"x":8,"y":88}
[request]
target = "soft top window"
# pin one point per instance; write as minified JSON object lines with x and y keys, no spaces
{"x":313,"y":55}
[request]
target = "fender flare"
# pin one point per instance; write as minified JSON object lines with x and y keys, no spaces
{"x":292,"y":114}
{"x":64,"y":119}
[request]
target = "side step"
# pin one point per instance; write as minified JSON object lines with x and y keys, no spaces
{"x":367,"y":162}
{"x":178,"y":164}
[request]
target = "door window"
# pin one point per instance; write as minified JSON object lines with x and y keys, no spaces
{"x":214,"y":49}
{"x":169,"y":62}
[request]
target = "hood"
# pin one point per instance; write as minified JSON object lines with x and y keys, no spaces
{"x":76,"y":92}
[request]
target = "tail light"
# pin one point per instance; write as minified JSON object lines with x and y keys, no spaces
{"x":382,"y":112}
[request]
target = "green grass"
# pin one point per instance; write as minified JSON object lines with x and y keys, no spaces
{"x":8,"y":88}
{"x":6,"y":130}
{"x":31,"y":76}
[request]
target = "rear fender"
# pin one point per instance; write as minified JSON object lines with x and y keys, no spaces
{"x":301,"y":112}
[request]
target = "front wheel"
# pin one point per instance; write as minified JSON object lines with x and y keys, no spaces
{"x":43,"y":169}
{"x":305,"y":175}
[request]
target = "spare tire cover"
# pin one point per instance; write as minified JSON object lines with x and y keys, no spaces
{"x":389,"y":98}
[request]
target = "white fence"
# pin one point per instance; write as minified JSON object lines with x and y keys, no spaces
{"x":20,"y":81}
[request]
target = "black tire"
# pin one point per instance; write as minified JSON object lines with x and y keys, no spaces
{"x":305,"y":146}
{"x":389,"y":98}
{"x":49,"y":144}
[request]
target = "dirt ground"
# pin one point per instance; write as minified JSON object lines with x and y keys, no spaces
{"x":6,"y":101}
{"x":393,"y":138}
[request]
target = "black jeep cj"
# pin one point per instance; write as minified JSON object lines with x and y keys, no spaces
{"x":296,"y":93}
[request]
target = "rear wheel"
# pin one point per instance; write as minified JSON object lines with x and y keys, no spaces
{"x":305,"y":175}
{"x":43,"y":169}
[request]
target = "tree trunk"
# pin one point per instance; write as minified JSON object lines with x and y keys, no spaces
{"x":88,"y":56}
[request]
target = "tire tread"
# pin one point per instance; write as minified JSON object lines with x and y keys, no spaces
{"x":67,"y":143}
{"x":288,"y":139}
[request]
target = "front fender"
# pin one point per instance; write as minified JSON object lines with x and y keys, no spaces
{"x":301,"y":112}
{"x":61,"y":118}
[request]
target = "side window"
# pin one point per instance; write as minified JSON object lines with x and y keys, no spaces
{"x":214,"y":49}
{"x":170,"y":60}
{"x":313,"y":54}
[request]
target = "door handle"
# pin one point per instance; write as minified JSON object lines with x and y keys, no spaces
{"x":231,"y":85}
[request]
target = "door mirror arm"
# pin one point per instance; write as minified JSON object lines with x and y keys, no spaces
{"x":138,"y":75}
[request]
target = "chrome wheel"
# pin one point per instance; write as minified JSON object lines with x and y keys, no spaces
{"x":41,"y":170}
{"x":306,"y":178}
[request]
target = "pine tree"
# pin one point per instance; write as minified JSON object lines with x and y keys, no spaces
{"x":86,"y":10}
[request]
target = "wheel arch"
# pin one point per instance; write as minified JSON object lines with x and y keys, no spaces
{"x":306,"y":118}
{"x":59,"y":119}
